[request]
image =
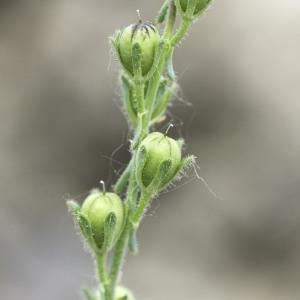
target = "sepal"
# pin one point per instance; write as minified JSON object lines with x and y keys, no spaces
{"x":83,"y":223}
{"x":129,"y":100}
{"x":163,"y":12}
{"x":159,"y":180}
{"x":137,"y":60}
{"x":109,"y":231}
{"x":163,"y":99}
{"x":140,"y":162}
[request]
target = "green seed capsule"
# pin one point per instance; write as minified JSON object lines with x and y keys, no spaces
{"x":97,"y":207}
{"x":157,"y":149}
{"x":200,"y":5}
{"x":144,"y":34}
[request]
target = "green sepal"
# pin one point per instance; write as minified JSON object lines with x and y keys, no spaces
{"x":163,"y":102}
{"x":185,"y":164}
{"x":73,"y":207}
{"x":179,"y":8}
{"x":159,"y":177}
{"x":83,"y":223}
{"x":109,"y":227}
{"x":163,"y":12}
{"x":158,"y":52}
{"x":129,"y":100}
{"x":137,"y":60}
{"x":202,"y":10}
{"x":139,"y":166}
{"x":115,"y":40}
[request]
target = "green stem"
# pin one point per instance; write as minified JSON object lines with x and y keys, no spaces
{"x":187,"y":20}
{"x":123,"y":179}
{"x":145,"y":108}
{"x":184,"y":27}
{"x":141,"y":208}
{"x":166,"y":51}
{"x":101,"y":262}
{"x":121,"y":246}
{"x":118,"y":257}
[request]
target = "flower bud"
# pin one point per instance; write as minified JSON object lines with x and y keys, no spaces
{"x":201,"y":5}
{"x":97,"y":208}
{"x":155,"y":150}
{"x":143,"y":34}
{"x":123,"y":294}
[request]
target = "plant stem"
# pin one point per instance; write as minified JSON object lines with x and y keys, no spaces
{"x":145,"y":109}
{"x":118,"y":257}
{"x":101,"y":261}
{"x":166,"y":51}
{"x":142,"y":206}
{"x":121,"y":246}
{"x":123,"y":179}
{"x":184,"y":27}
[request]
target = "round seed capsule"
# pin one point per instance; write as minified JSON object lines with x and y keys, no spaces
{"x":96,"y":208}
{"x":158,"y":148}
{"x":147,"y":36}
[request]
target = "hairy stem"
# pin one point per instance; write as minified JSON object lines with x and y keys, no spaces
{"x":184,"y":27}
{"x":118,"y":257}
{"x":122,"y":243}
{"x":101,"y":263}
{"x":142,"y":206}
{"x":145,"y":111}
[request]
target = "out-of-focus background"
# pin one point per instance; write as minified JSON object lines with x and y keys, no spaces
{"x":62,"y":130}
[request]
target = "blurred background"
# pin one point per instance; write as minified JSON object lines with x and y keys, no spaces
{"x":62,"y":130}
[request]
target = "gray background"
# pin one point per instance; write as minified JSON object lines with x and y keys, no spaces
{"x":61,"y":121}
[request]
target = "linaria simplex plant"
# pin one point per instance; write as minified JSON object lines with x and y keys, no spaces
{"x":108,"y":221}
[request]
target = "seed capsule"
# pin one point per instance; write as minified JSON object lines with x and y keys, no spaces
{"x":146,"y":36}
{"x":97,"y":207}
{"x":201,"y":5}
{"x":154,"y":150}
